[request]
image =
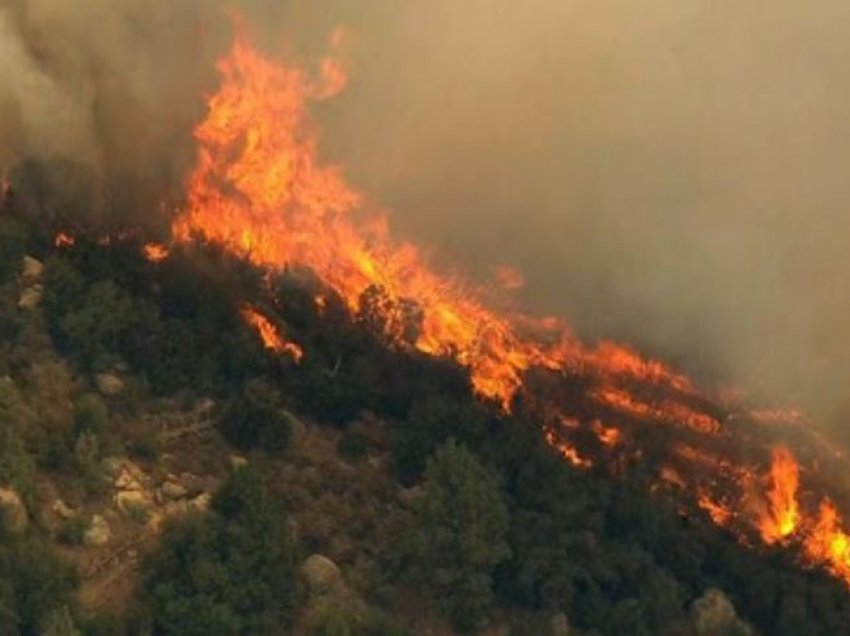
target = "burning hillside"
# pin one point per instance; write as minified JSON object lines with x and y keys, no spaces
{"x":260,"y":189}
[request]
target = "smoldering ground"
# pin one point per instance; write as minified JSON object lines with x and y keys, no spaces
{"x":671,"y":172}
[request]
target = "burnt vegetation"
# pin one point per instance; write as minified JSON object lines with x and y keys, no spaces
{"x":502,"y":529}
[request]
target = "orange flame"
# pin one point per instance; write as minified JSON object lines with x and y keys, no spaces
{"x":608,"y":435}
{"x":155,"y":252}
{"x":720,"y":513}
{"x":270,"y":336}
{"x":260,"y":190}
{"x":64,"y":240}
{"x":828,"y":544}
{"x":783,"y":512}
{"x":569,"y":452}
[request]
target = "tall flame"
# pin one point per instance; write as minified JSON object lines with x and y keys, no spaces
{"x":783,"y":511}
{"x":260,"y":190}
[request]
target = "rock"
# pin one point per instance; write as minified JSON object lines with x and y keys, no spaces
{"x":31,"y":297}
{"x":32,"y":268}
{"x":192,"y":483}
{"x":237,"y":462}
{"x":113,"y":466}
{"x":560,"y":625}
{"x":322,"y":574}
{"x":201,"y":503}
{"x":134,"y":502}
{"x":13,"y":513}
{"x":98,"y":534}
{"x":109,"y":383}
{"x":173,"y":490}
{"x":61,"y":509}
{"x":714,"y":615}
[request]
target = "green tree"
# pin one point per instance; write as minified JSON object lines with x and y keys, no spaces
{"x":12,"y":242}
{"x":229,"y":573}
{"x":460,"y":538}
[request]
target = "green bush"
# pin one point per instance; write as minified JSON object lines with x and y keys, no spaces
{"x":229,"y":573}
{"x":91,"y":414}
{"x":461,"y":533}
{"x":249,"y":423}
{"x":352,"y":445}
{"x":12,"y":248}
{"x":72,"y":531}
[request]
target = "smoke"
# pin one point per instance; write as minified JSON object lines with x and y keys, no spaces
{"x":669,"y":172}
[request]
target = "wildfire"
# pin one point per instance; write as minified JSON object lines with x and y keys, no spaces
{"x":260,"y":190}
{"x":270,"y":336}
{"x":783,"y":512}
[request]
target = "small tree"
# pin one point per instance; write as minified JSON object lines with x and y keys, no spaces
{"x":463,"y":521}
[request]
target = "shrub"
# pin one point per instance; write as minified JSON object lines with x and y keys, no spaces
{"x":249,"y":424}
{"x":229,"y":573}
{"x":352,"y":445}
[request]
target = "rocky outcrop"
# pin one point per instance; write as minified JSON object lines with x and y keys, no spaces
{"x":13,"y":513}
{"x":109,"y":384}
{"x":714,"y":615}
{"x":32,"y":269}
{"x":98,"y":533}
{"x":30,"y":297}
{"x":61,"y":509}
{"x":322,"y":575}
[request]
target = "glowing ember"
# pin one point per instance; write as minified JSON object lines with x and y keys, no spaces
{"x":608,"y":435}
{"x":155,"y":252}
{"x":63,"y":240}
{"x":569,"y":452}
{"x":270,"y":336}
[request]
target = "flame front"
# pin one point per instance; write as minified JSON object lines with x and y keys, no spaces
{"x":260,"y":190}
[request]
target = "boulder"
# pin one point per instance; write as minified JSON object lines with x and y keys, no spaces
{"x":237,"y":462}
{"x":322,"y":574}
{"x":192,"y":483}
{"x":98,"y":533}
{"x":32,"y":268}
{"x":201,"y":503}
{"x":61,"y":509}
{"x":134,"y":502}
{"x":109,"y":383}
{"x":714,"y":615}
{"x":13,"y":513}
{"x":174,"y":490}
{"x":30,"y":297}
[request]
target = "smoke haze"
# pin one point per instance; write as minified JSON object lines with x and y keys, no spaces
{"x":668,"y":172}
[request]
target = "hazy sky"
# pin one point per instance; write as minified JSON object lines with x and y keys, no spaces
{"x":672,"y":172}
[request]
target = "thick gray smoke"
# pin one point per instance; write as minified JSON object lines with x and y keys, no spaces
{"x":671,"y":172}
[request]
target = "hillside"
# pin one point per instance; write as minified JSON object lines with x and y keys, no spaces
{"x":170,"y":468}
